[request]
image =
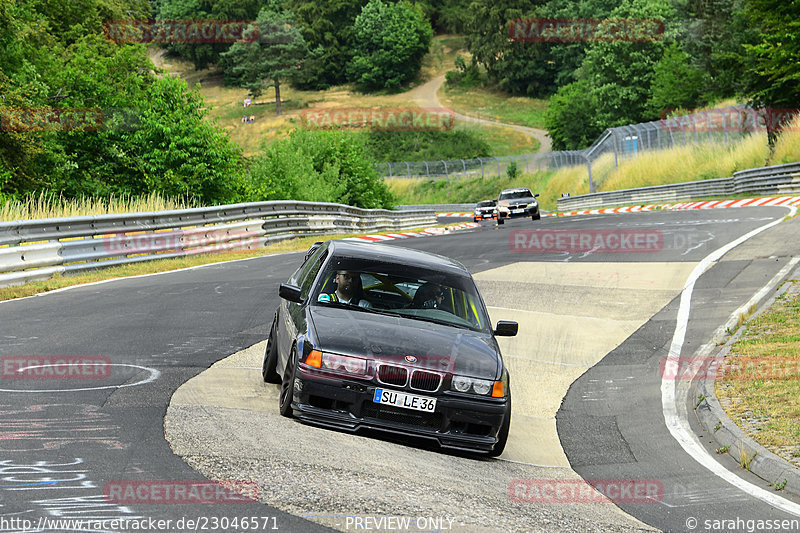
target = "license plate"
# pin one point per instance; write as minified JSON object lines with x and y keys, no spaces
{"x":404,"y":400}
{"x":515,"y":211}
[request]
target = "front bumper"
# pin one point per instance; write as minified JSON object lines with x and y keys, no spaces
{"x":514,"y":211}
{"x":457,"y":423}
{"x":485,"y":215}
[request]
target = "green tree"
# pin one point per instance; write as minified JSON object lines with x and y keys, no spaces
{"x":276,"y":55}
{"x":570,"y":118}
{"x":676,"y":83}
{"x":389,"y":41}
{"x":774,"y":81}
{"x":321,"y":166}
{"x":327,"y":28}
{"x":620,"y":73}
{"x":516,"y":67}
{"x":713,"y":37}
{"x":205,"y":54}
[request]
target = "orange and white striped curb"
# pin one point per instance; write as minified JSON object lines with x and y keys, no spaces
{"x":685,"y":206}
{"x":427,"y":232}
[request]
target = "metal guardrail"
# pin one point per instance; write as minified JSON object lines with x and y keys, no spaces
{"x":778,"y":179}
{"x":37,"y":249}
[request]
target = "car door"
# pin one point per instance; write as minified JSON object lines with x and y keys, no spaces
{"x":293,"y":321}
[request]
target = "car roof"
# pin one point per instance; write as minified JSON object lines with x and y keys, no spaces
{"x":518,"y":189}
{"x":396,"y":254}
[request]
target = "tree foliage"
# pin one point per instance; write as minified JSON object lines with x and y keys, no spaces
{"x":276,"y":55}
{"x":775,"y":75}
{"x":205,"y":54}
{"x":328,"y":166}
{"x":389,"y":41}
{"x":327,"y":28}
{"x":676,"y":83}
{"x":151,"y":135}
{"x":571,"y":117}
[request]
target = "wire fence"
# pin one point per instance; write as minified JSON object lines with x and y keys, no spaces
{"x":724,"y":126}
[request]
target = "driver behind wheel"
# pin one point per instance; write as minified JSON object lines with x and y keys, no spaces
{"x":348,"y":290}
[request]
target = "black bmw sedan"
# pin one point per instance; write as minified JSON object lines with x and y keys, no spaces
{"x":370,"y":336}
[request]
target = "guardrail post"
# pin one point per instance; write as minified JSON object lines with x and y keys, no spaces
{"x":427,"y":170}
{"x":464,"y":166}
{"x":446,"y":175}
{"x":481,"y":160}
{"x":591,"y":182}
{"x":408,"y":169}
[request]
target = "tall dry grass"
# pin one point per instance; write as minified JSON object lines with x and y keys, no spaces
{"x":787,"y":148}
{"x":48,"y":205}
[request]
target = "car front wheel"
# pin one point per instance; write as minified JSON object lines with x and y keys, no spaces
{"x":287,"y":387}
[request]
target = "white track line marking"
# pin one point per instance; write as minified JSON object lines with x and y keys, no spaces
{"x":679,"y":426}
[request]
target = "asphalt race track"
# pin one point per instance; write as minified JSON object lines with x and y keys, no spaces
{"x":594,"y":327}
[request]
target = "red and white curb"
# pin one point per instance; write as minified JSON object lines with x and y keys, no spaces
{"x":427,"y":232}
{"x":712,"y":204}
{"x":455,"y":215}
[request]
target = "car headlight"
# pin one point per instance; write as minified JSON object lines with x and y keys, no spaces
{"x":533,"y":204}
{"x":337,"y":363}
{"x":482,"y":387}
{"x":461,"y":383}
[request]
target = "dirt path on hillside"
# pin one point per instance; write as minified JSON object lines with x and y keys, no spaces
{"x":425,"y":96}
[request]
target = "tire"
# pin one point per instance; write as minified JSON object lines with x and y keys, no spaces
{"x":537,"y":216}
{"x":500,"y":221}
{"x":271,"y":356}
{"x":287,"y":387}
{"x":502,"y":435}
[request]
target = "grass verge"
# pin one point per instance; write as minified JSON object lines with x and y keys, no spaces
{"x":760,"y":388}
{"x":482,"y":102}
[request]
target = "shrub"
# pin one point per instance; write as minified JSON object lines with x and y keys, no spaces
{"x":318,"y":166}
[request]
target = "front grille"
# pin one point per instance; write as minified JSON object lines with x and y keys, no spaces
{"x":403,"y":416}
{"x":426,"y":381}
{"x":392,"y":375}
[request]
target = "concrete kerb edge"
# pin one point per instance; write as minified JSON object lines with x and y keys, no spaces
{"x":768,"y":466}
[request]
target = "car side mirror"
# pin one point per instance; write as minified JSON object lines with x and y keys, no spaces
{"x":506,"y":328}
{"x":536,"y":195}
{"x":290,"y":292}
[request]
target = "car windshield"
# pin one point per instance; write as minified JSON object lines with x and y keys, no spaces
{"x":513,"y":195}
{"x":400,"y":290}
{"x":487,"y":203}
